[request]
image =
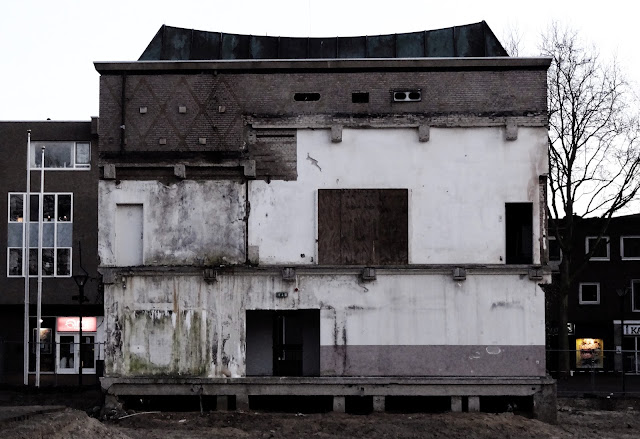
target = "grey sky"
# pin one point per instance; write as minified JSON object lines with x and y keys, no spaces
{"x":48,"y":47}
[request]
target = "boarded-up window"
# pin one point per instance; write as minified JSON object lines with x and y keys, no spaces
{"x":363,"y":226}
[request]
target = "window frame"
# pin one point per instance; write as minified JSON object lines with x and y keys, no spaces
{"x":598,"y":258}
{"x":622,"y":256}
{"x":74,"y":152}
{"x":54,"y":248}
{"x":581,"y":301}
{"x":634,"y":307}
{"x":553,"y":261}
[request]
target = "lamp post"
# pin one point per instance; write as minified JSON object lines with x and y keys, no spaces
{"x":622,"y":292}
{"x":81,"y":280}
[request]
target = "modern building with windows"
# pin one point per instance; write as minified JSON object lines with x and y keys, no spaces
{"x":357,"y":217}
{"x":604,"y":304}
{"x":69,"y":238}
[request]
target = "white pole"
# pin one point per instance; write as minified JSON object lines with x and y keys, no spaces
{"x":25,"y":260}
{"x":39,"y":304}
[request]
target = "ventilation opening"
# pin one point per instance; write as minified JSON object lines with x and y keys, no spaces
{"x":360,"y":97}
{"x":407,"y":96}
{"x":306,"y":97}
{"x":358,"y":405}
{"x":519,"y":233}
{"x":291,"y":403}
{"x":418,"y":404}
{"x":521,"y":405}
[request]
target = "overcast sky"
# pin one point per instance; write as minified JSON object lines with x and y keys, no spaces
{"x":48,"y":46}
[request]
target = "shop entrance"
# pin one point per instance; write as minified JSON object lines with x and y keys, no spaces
{"x":283,"y":343}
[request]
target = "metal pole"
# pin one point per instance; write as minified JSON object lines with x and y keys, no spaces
{"x":26,"y":221}
{"x":39,"y":303}
{"x":80,"y":347}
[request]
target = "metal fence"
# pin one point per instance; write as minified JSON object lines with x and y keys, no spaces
{"x":597,"y":372}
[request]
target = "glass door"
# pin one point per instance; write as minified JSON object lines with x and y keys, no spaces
{"x":68,"y":353}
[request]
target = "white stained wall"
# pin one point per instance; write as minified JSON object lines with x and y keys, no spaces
{"x":183,"y":325}
{"x":190,"y":222}
{"x":458,"y":181}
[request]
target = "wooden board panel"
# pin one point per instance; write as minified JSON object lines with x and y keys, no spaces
{"x":393,"y":231}
{"x":329,"y":227}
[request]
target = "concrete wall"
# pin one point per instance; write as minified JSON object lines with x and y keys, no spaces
{"x":418,"y":324}
{"x":458,"y":181}
{"x":187,"y":223}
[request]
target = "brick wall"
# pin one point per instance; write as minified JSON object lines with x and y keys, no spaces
{"x":207,"y":112}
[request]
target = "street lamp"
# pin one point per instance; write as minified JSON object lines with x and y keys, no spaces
{"x":622,"y":292}
{"x":81,"y":280}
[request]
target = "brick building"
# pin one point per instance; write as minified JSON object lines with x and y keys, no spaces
{"x":69,"y":223}
{"x":605,"y":294}
{"x":363,"y":216}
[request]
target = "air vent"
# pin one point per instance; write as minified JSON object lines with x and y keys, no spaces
{"x":407,"y":96}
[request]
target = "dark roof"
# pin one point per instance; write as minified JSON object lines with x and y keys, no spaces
{"x":471,"y":40}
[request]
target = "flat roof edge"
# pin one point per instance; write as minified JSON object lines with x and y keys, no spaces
{"x":533,"y":63}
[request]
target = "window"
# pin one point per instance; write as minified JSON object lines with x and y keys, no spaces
{"x":602,"y":251}
{"x":635,"y":295}
{"x":57,"y":231}
{"x":519,"y":233}
{"x":363,"y":226}
{"x":61,"y":155}
{"x":630,"y":247}
{"x":589,"y":293}
{"x":555,"y":253}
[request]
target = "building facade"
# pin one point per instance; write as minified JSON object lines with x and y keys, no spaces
{"x":367,"y":224}
{"x":69,"y":209}
{"x":604,"y":297}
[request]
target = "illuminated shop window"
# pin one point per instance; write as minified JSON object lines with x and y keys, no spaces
{"x":589,"y":353}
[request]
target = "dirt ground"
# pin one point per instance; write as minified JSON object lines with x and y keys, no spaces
{"x":576,"y":419}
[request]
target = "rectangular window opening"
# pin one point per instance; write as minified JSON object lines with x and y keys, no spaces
{"x":360,"y":97}
{"x":306,"y":97}
{"x":555,"y":253}
{"x":61,"y":155}
{"x":635,"y":295}
{"x":589,"y":293}
{"x":602,"y":250}
{"x":519,"y":233}
{"x":630,"y":247}
{"x":57,"y":234}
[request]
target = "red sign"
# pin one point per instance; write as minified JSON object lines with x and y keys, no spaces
{"x":72,"y":324}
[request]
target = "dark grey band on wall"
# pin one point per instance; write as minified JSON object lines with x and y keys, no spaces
{"x":432,"y":360}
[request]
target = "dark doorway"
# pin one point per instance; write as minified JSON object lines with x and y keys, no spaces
{"x":519,"y":233}
{"x":283,"y":343}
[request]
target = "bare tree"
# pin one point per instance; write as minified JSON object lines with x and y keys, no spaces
{"x":594,"y":161}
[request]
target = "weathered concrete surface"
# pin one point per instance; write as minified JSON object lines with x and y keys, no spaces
{"x":182,"y":325}
{"x":460,"y":170}
{"x":190,"y":222}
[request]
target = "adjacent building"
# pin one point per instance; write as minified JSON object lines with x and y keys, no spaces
{"x":604,"y":298}
{"x":69,"y":229}
{"x":362,"y":216}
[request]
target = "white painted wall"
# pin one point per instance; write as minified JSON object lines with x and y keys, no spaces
{"x":458,"y":181}
{"x":181,"y":324}
{"x":191,"y":222}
